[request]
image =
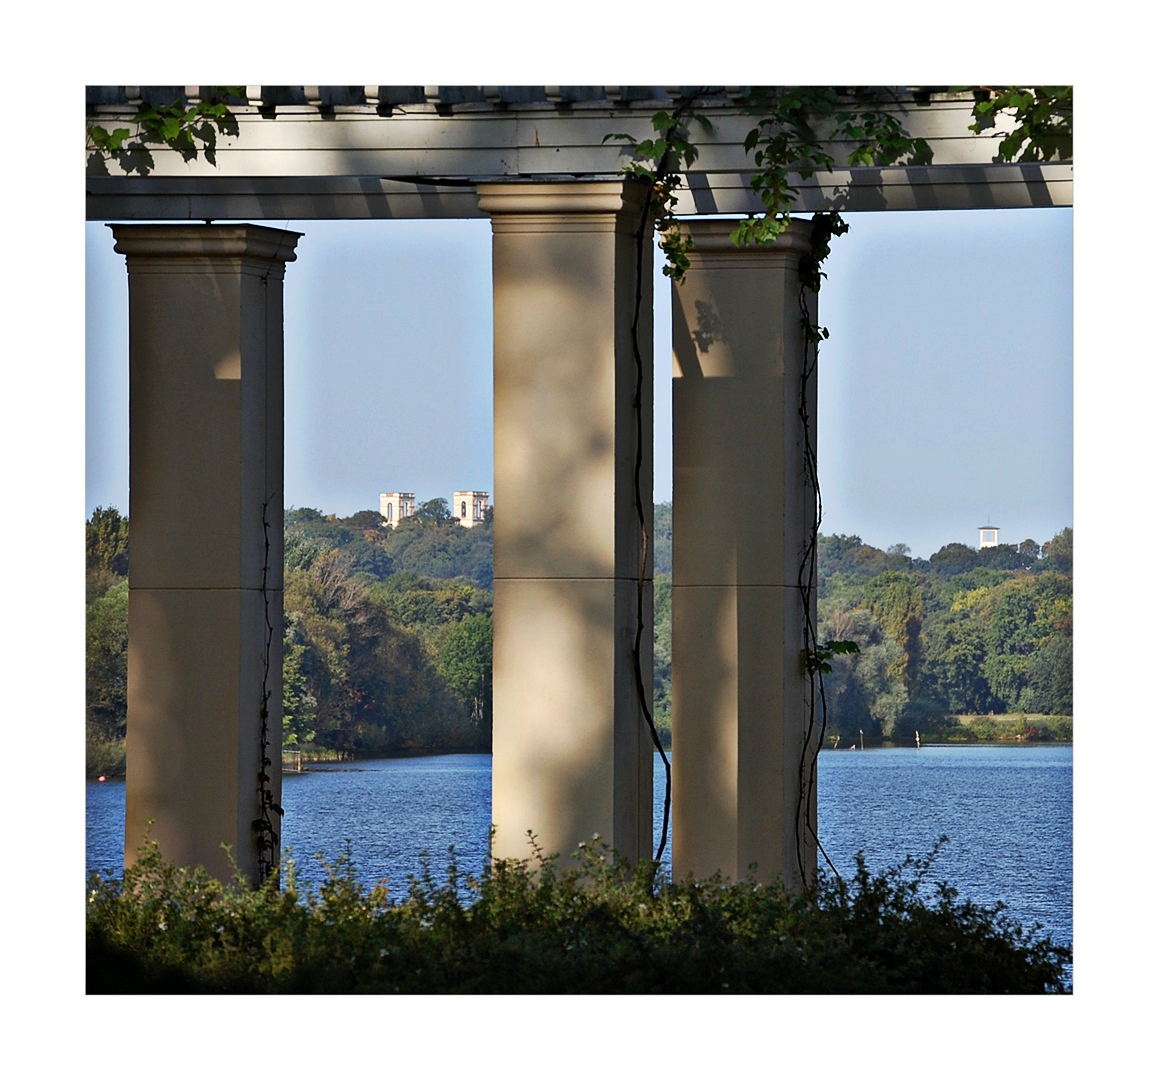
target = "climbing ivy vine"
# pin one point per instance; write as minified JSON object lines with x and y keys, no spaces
{"x":1043,"y":118}
{"x":788,"y":139}
{"x":190,"y":128}
{"x":658,"y":163}
{"x":795,"y":125}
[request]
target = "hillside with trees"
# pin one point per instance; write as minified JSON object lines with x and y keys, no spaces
{"x":388,"y":634}
{"x":964,"y":632}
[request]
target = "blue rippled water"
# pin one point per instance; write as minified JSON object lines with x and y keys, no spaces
{"x":1007,"y":811}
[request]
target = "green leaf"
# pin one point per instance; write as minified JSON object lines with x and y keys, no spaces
{"x":110,"y":141}
{"x":743,"y":233}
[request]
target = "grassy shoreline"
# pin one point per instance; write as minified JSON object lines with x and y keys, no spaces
{"x":1011,"y":727}
{"x":977,"y":729}
{"x":108,"y":758}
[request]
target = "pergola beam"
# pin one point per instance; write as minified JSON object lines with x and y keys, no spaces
{"x":425,"y":159}
{"x":937,"y":187}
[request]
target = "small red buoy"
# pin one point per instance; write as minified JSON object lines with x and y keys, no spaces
{"x":101,"y":779}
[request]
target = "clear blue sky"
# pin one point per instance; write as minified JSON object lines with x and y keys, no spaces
{"x":946,"y":390}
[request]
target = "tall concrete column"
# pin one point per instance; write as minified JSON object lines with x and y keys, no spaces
{"x":205,"y":576}
{"x":743,"y":508}
{"x":572,"y":755}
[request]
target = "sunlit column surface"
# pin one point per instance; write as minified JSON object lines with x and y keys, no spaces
{"x":742,"y":511}
{"x":572,"y":756}
{"x":205,"y":578}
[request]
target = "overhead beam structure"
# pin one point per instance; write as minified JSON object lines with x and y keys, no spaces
{"x":420,"y":152}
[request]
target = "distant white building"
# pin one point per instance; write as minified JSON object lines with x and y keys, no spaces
{"x":394,"y":506}
{"x":988,"y":536}
{"x":470,"y":507}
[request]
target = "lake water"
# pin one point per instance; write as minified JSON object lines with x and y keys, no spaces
{"x":1006,"y":809}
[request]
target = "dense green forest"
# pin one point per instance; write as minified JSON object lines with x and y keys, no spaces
{"x":963,"y":632}
{"x":966,"y":631}
{"x":388,"y":633}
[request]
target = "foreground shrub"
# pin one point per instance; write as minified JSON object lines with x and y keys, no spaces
{"x":530,"y":928}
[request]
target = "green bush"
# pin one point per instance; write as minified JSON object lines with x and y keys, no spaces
{"x":529,"y":927}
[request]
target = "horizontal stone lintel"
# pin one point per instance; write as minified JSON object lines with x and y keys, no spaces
{"x":277,"y":198}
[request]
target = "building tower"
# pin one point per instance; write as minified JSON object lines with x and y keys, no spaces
{"x":469,"y":507}
{"x":394,"y":506}
{"x":988,"y":536}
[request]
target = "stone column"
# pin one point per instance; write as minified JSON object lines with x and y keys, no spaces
{"x":205,"y":576}
{"x":572,"y":755}
{"x":743,"y":508}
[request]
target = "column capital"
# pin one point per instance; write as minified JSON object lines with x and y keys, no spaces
{"x":258,"y":244}
{"x":712,"y":239}
{"x":530,"y":197}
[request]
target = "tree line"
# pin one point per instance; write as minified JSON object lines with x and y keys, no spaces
{"x":388,"y":633}
{"x":966,"y":631}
